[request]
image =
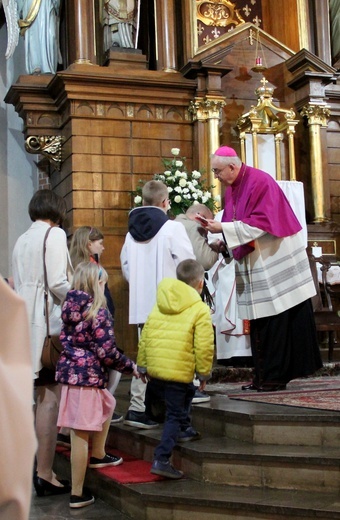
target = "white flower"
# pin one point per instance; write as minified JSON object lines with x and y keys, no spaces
{"x":217,"y":198}
{"x":184,"y":187}
{"x":195,"y":202}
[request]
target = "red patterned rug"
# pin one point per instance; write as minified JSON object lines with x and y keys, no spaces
{"x":320,"y":399}
{"x":132,"y":471}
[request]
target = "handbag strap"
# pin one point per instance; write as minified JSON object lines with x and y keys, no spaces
{"x":46,"y":284}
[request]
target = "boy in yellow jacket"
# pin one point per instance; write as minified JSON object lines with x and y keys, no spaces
{"x":177,"y":342}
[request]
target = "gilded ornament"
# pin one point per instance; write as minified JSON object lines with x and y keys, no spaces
{"x":218,"y":13}
{"x":47,"y":145}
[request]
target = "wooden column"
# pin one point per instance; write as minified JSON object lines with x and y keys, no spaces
{"x":166,"y":35}
{"x":322,"y":31}
{"x":81,"y":30}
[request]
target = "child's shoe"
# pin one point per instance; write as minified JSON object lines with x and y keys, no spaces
{"x":108,"y":460}
{"x":83,"y":501}
{"x":190,"y":434}
{"x":200,"y":397}
{"x":165,"y":469}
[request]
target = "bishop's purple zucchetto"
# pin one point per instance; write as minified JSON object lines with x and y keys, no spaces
{"x":225,"y":151}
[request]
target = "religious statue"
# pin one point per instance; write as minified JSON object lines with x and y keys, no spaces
{"x":121,"y":23}
{"x":11,"y":15}
{"x":39,"y":24}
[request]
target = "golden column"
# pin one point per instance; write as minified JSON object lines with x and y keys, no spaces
{"x":278,"y":138}
{"x":208,"y":110}
{"x":317,"y":116}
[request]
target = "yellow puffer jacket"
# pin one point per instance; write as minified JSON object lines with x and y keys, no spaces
{"x":177,"y":340}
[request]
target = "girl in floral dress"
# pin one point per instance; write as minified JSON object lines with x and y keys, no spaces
{"x":89,"y":352}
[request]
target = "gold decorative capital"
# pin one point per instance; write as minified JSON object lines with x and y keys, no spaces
{"x":204,"y":109}
{"x":47,"y":145}
{"x":316,"y":114}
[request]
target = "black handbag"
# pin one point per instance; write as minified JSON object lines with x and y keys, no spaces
{"x":52,"y":345}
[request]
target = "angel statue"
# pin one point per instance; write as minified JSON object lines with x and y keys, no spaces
{"x":11,"y":14}
{"x":38,"y":22}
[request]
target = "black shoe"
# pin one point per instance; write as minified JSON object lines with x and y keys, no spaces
{"x":251,"y":386}
{"x":272,"y":388}
{"x":139,"y":420}
{"x":108,"y":460}
{"x":116,"y":418}
{"x":43,"y":487}
{"x":84,"y":500}
{"x":63,"y":440}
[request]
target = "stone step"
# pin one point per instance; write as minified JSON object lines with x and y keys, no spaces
{"x":190,"y":499}
{"x":257,"y":423}
{"x":233,"y":462}
{"x":261,"y":423}
{"x":254,"y":462}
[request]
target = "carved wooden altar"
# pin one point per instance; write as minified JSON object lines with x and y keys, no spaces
{"x":104,"y":122}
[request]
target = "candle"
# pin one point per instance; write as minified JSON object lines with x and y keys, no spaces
{"x":258,"y":61}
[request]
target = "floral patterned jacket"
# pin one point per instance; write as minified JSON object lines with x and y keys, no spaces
{"x":89,"y":345}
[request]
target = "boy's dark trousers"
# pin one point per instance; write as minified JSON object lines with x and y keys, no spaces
{"x":177,"y":397}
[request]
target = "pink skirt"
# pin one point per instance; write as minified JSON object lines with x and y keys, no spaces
{"x":85,"y":407}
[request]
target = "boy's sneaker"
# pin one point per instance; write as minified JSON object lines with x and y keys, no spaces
{"x":139,"y":420}
{"x":190,"y":434}
{"x":116,"y":418}
{"x":165,"y":469}
{"x":200,"y":397}
{"x":84,"y":500}
{"x":108,"y":460}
